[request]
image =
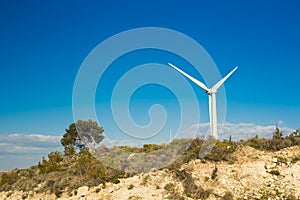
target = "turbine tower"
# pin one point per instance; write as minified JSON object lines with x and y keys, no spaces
{"x":212,"y":98}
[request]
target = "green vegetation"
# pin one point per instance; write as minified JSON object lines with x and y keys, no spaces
{"x":275,"y":172}
{"x":190,"y":188}
{"x":170,"y":187}
{"x":131,"y":186}
{"x":296,"y":159}
{"x":228,"y":196}
{"x":173,"y":194}
{"x":147,"y":148}
{"x":277,"y":134}
{"x":214,"y":173}
{"x":77,"y":166}
{"x":276,"y":143}
{"x":146,"y":179}
{"x":52,"y":164}
{"x":82,"y":135}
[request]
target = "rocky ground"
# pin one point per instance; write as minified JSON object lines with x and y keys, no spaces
{"x":254,"y":175}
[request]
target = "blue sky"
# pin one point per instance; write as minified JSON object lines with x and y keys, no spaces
{"x":43,"y":44}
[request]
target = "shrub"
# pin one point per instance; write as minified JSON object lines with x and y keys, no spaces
{"x":295,"y":159}
{"x":148,"y":148}
{"x":52,"y":164}
{"x":228,"y":196}
{"x":294,"y":137}
{"x":175,"y":196}
{"x":214,"y":173}
{"x":222,"y":151}
{"x":190,"y":188}
{"x":131,"y":186}
{"x":145,"y":180}
{"x":269,"y":144}
{"x":170,"y":187}
{"x":275,"y":172}
{"x":9,"y":178}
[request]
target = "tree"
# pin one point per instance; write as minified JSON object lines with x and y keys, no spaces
{"x":82,"y":135}
{"x":90,"y":134}
{"x":277,"y":134}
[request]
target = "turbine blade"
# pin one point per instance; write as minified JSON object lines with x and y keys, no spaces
{"x":218,"y":84}
{"x":200,"y":84}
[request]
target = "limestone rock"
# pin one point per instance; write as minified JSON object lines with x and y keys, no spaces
{"x":83,"y":191}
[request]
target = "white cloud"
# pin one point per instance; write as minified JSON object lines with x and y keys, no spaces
{"x":23,"y":150}
{"x":237,"y":131}
{"x":28,"y":143}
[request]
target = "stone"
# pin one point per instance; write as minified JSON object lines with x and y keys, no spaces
{"x":83,"y":191}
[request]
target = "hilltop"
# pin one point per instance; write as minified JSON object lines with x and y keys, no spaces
{"x":257,"y":168}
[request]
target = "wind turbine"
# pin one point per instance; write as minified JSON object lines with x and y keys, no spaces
{"x":212,"y":97}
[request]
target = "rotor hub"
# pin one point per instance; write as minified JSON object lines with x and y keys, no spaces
{"x":211,"y":91}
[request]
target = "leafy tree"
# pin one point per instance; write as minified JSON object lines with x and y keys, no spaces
{"x":277,"y":134}
{"x":82,"y":135}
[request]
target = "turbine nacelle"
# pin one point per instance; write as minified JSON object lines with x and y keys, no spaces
{"x":211,"y":91}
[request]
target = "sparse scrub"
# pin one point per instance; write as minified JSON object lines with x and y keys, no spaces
{"x":175,"y":196}
{"x":97,"y":190}
{"x":131,"y":186}
{"x":276,"y":143}
{"x":294,"y":137}
{"x":295,"y":159}
{"x":291,"y":197}
{"x":145,"y":180}
{"x":269,"y":144}
{"x":281,"y":159}
{"x":190,"y":188}
{"x":9,"y":178}
{"x":222,"y":151}
{"x":135,"y":198}
{"x":275,"y":172}
{"x":52,"y":164}
{"x":228,"y":196}
{"x":170,"y":187}
{"x":214,"y":173}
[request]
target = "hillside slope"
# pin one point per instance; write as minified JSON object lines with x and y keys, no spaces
{"x":253,"y":175}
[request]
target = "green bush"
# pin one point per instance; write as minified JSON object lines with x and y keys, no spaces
{"x":269,"y":144}
{"x":145,"y":180}
{"x":214,"y":173}
{"x":170,"y":187}
{"x":131,"y":186}
{"x":275,"y":172}
{"x":9,"y":178}
{"x":295,"y":159}
{"x":52,"y":164}
{"x":222,"y":151}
